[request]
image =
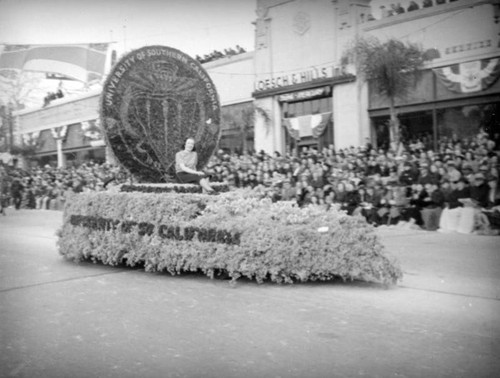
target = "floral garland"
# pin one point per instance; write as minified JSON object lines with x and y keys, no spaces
{"x":237,"y":233}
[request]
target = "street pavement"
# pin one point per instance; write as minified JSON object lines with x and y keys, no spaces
{"x":62,"y":319}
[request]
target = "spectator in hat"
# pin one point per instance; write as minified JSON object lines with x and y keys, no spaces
{"x":287,"y":191}
{"x":434,"y":172}
{"x":398,"y":204}
{"x":468,"y":173}
{"x":469,"y":160}
{"x":16,"y":191}
{"x":352,"y":199}
{"x":450,"y":217}
{"x":4,"y":190}
{"x":446,"y":189}
{"x":492,"y":181}
{"x":317,"y":180}
{"x":452,"y":172}
{"x":433,"y":206}
{"x":470,"y":215}
{"x":479,"y":192}
{"x":370,"y":202}
{"x":425,"y":177}
{"x":416,"y":203}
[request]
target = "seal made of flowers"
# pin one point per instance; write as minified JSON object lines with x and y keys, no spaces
{"x":154,"y":99}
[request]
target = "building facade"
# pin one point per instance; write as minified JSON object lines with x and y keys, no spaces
{"x":311,"y":99}
{"x":293,"y":91}
{"x":64,"y":133}
{"x":458,"y":91}
{"x":301,"y":82}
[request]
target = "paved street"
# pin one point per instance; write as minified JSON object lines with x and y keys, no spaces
{"x":61,"y":319}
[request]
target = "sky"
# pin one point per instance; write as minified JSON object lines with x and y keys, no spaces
{"x":192,"y":26}
{"x":196,"y":27}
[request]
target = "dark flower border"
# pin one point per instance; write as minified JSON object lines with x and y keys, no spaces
{"x":164,"y":231}
{"x":170,"y":188}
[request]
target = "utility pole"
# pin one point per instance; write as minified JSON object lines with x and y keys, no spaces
{"x":125,"y":37}
{"x":10,"y":125}
{"x":3,"y":124}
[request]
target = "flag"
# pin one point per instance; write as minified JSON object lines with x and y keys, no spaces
{"x":471,"y":76}
{"x":83,"y":62}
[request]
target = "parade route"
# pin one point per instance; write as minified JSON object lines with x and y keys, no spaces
{"x":61,"y":319}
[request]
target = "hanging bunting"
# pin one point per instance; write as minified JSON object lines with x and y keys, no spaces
{"x":319,"y":123}
{"x":30,"y":138}
{"x":290,"y":126}
{"x":309,"y":125}
{"x":91,"y":130}
{"x":59,"y":132}
{"x":469,"y":77}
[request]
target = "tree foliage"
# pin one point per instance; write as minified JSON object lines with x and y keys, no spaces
{"x":391,"y":66}
{"x":20,"y":89}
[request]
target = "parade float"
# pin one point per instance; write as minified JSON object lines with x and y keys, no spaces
{"x":153,"y":99}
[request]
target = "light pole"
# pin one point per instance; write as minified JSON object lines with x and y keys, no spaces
{"x":10,"y":125}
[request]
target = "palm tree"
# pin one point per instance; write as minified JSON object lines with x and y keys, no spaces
{"x":391,"y":67}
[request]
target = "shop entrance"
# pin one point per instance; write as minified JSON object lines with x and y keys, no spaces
{"x":308,"y":107}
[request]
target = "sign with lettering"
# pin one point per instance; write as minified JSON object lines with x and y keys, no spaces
{"x":459,"y":48}
{"x":152,"y":101}
{"x":302,"y":95}
{"x":299,"y":77}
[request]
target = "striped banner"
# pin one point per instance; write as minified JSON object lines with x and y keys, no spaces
{"x":85,"y":62}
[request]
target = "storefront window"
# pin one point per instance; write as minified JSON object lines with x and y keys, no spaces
{"x":465,"y":121}
{"x":413,"y":126}
{"x":416,"y":125}
{"x":461,"y":121}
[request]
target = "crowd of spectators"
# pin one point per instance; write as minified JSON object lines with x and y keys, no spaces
{"x":51,"y":96}
{"x":412,"y":186}
{"x":396,"y":8}
{"x":216,"y":54}
{"x":416,"y":186}
{"x":48,"y":187}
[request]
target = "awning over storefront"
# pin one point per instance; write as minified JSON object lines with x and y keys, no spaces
{"x":469,"y":77}
{"x":309,"y":125}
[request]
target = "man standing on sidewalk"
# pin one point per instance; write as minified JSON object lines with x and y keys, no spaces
{"x":4,"y":190}
{"x":16,"y":190}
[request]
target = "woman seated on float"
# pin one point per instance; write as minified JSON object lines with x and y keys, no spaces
{"x":185,"y":167}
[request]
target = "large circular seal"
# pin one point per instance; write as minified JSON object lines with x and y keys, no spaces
{"x":153,"y":99}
